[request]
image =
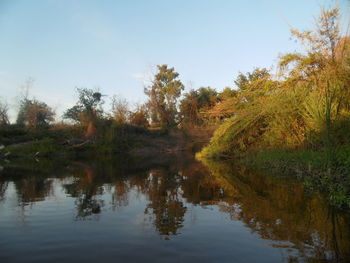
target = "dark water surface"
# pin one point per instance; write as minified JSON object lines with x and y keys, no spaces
{"x":174,"y":211}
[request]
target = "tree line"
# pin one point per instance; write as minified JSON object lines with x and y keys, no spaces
{"x":167,"y":107}
{"x":305,"y":106}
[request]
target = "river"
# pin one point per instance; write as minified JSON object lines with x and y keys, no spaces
{"x":168,"y":210}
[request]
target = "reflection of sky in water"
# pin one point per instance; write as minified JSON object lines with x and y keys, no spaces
{"x":162,"y":215}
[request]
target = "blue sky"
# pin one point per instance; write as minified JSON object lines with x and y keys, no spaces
{"x":115,"y":45}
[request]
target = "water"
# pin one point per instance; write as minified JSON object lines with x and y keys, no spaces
{"x":173,"y":210}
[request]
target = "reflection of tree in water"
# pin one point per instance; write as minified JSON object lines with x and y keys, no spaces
{"x":32,"y":189}
{"x":121,"y":191}
{"x":277,"y":210}
{"x":282,"y":212}
{"x":199,"y":187}
{"x":85,"y":188}
{"x":165,"y":201}
{"x":29,"y":190}
{"x":3,"y":188}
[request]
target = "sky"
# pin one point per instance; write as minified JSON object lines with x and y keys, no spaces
{"x":115,"y":45}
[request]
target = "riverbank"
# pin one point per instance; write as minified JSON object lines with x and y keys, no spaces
{"x":124,"y":139}
{"x":327,"y":173}
{"x":318,"y":170}
{"x":314,"y":169}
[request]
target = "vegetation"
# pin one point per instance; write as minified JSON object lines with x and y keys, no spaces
{"x":87,"y":111}
{"x":34,"y":114}
{"x":4,"y":118}
{"x":195,"y":104}
{"x":306,"y":107}
{"x":163,"y":95}
{"x":299,"y":118}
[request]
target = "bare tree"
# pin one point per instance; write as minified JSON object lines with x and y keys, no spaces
{"x":4,"y":119}
{"x":120,"y":110}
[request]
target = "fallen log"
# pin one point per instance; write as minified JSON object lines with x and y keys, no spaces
{"x":81,"y":144}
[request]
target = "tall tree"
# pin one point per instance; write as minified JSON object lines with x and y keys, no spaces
{"x":163,"y":95}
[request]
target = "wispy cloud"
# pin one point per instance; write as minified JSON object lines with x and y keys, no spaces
{"x":144,"y":77}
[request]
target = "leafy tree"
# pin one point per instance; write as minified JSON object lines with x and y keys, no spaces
{"x":87,"y":110}
{"x":139,"y":117}
{"x":189,"y":107}
{"x":245,"y":80}
{"x":195,"y":102}
{"x":34,"y":114}
{"x":163,"y":95}
{"x":228,"y":93}
{"x":88,"y":106}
